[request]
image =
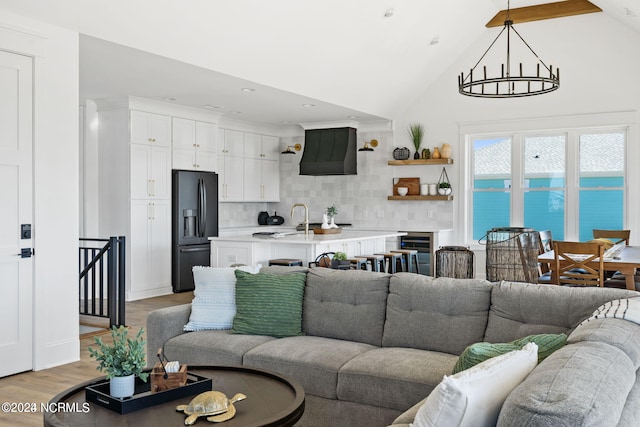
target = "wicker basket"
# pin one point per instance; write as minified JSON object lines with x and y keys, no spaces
{"x":401,"y":153}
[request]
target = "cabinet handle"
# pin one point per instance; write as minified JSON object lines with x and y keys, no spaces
{"x":149,"y":211}
{"x":153,"y":211}
{"x":194,"y":145}
{"x":197,"y":145}
{"x":153,"y":187}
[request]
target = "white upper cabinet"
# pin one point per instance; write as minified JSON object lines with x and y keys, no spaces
{"x":150,"y":172}
{"x":261,"y":168}
{"x":271,"y":148}
{"x":150,"y":129}
{"x":194,"y":145}
{"x":230,"y":165}
{"x":233,"y":144}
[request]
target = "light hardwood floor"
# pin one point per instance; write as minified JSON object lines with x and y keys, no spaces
{"x":39,"y":387}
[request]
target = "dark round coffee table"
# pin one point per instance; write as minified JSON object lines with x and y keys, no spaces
{"x":272,"y":400}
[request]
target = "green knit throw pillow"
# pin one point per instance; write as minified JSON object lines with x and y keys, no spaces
{"x":479,"y":352}
{"x":269,"y":304}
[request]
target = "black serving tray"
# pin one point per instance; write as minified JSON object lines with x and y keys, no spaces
{"x":98,"y":393}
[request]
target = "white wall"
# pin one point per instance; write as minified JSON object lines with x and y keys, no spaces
{"x":55,"y":157}
{"x":598,"y":59}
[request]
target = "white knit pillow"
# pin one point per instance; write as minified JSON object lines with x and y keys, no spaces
{"x":475,"y":396}
{"x":214,"y":302}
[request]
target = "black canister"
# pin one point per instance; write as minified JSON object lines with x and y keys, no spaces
{"x":263,"y":217}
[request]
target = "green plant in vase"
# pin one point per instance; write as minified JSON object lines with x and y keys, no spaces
{"x":416,"y":133}
{"x":122,"y":360}
{"x":332,"y":211}
{"x":444,"y":188}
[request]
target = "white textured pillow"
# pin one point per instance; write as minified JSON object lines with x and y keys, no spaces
{"x":214,"y":301}
{"x":475,"y":396}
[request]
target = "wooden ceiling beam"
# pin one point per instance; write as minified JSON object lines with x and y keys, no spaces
{"x":539,"y":12}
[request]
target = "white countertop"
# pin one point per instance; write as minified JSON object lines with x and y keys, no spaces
{"x":298,"y":237}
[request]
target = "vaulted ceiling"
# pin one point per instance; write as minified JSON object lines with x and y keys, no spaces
{"x":345,"y":57}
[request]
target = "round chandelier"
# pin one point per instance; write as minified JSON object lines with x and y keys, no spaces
{"x":510,"y":83}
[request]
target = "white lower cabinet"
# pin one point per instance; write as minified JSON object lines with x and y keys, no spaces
{"x":150,"y":254}
{"x":225,"y":254}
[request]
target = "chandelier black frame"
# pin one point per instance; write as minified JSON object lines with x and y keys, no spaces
{"x":508,"y":85}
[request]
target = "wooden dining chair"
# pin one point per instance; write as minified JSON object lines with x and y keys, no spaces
{"x":574,"y":263}
{"x":545,"y":244}
{"x":616,"y":236}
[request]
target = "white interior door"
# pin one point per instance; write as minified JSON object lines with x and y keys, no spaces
{"x":16,"y":272}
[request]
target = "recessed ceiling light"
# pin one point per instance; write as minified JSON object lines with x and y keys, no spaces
{"x":213,"y":106}
{"x":308,"y":105}
{"x":285,"y":122}
{"x":353,"y":117}
{"x":168,"y":99}
{"x":247,"y":89}
{"x":236,"y":112}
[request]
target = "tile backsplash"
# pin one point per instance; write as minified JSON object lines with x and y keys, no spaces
{"x":361,"y":199}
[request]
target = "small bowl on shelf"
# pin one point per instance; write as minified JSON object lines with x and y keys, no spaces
{"x":403,"y":191}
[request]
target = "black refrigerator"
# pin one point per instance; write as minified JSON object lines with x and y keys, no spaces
{"x":194,"y":219}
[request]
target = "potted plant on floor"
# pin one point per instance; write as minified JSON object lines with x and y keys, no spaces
{"x":122,"y":361}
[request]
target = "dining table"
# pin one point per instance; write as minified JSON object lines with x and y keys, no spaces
{"x":626,"y":262}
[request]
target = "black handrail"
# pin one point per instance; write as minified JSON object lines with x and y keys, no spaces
{"x":96,"y":281}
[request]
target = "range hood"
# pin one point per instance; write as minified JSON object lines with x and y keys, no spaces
{"x":329,"y":152}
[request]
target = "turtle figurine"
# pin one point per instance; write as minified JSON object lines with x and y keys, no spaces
{"x":211,"y":404}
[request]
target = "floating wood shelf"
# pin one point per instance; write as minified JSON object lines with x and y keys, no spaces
{"x":420,"y":162}
{"x":449,"y":197}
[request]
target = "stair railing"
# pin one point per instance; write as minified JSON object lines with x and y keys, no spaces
{"x":102,"y":278}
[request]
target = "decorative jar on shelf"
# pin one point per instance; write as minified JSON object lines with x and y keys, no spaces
{"x":445,"y":151}
{"x":436,"y":153}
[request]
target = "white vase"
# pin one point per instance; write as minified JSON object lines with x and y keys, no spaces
{"x":333,"y":224}
{"x":433,"y":190}
{"x":424,"y":189}
{"x":325,"y":222}
{"x":122,"y":386}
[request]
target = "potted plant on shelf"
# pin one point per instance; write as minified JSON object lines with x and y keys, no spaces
{"x":444,"y":186}
{"x":416,"y":132}
{"x":122,"y":361}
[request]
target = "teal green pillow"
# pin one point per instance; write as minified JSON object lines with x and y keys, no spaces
{"x":479,"y":352}
{"x":269,"y":304}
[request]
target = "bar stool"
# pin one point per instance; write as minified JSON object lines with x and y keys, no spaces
{"x":410,"y":257}
{"x":392,"y":261}
{"x":287,"y":262}
{"x":358,"y":263}
{"x":376,"y":261}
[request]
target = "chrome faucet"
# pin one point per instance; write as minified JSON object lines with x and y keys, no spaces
{"x":306,"y":216}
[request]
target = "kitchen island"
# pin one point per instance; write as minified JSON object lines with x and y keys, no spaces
{"x":252,"y":250}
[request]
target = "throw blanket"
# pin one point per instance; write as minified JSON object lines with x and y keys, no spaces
{"x":626,"y":309}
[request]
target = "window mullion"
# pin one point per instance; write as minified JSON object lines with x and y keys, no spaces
{"x":572,"y":187}
{"x":517,"y":180}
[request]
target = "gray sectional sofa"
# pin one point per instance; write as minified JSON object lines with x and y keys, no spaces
{"x":376,"y":345}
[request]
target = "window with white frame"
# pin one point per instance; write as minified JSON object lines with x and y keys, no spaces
{"x":568,"y":181}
